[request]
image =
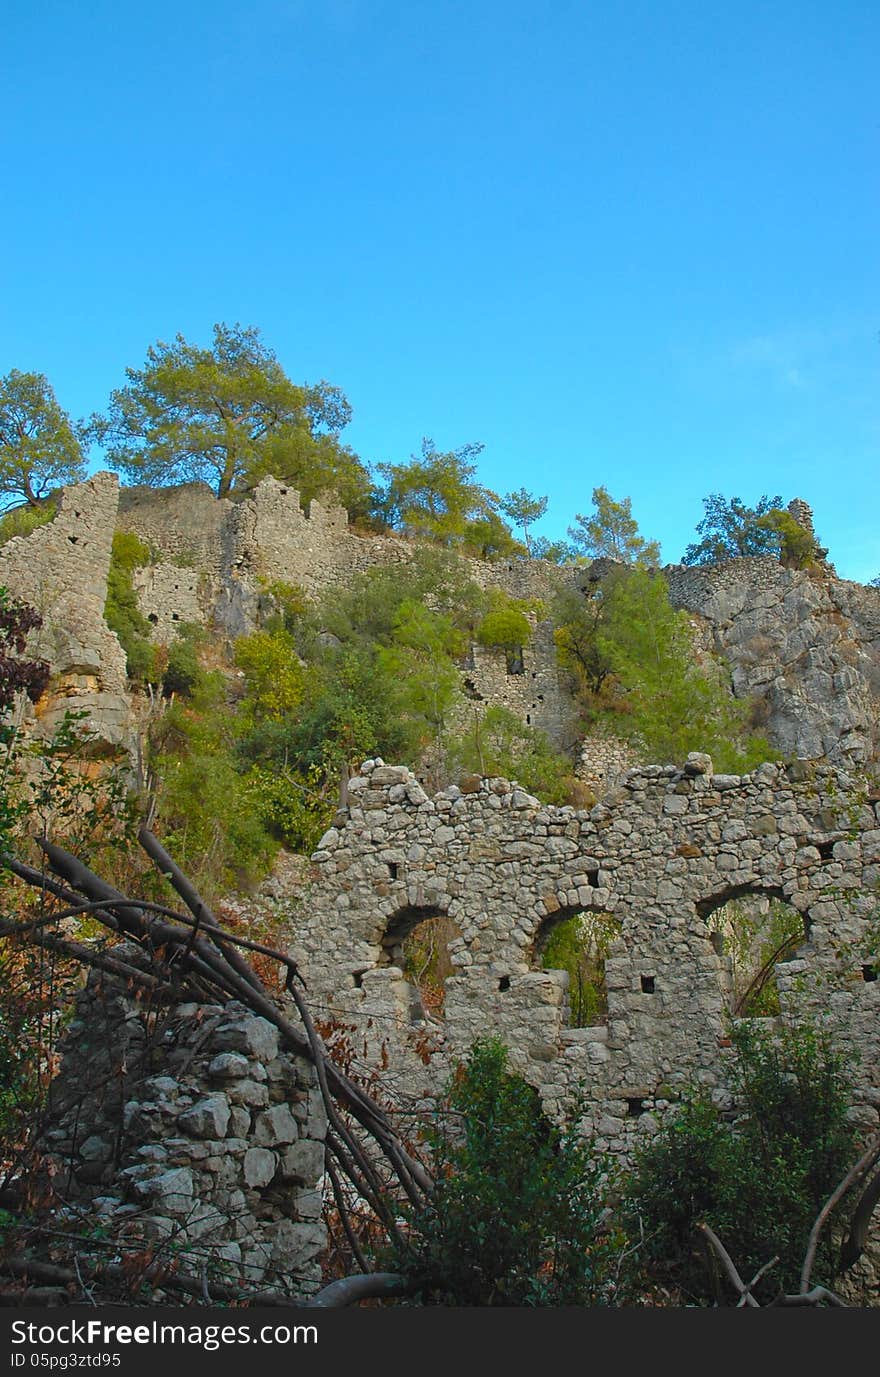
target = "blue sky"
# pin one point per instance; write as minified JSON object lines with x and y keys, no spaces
{"x":632,"y":244}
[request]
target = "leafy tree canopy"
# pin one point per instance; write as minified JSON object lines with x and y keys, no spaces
{"x":523,"y":508}
{"x":555,"y":551}
{"x":731,"y":529}
{"x":228,"y":416}
{"x":632,"y":656}
{"x":436,"y":496}
{"x":39,"y":447}
{"x":612,"y":532}
{"x":798,"y":548}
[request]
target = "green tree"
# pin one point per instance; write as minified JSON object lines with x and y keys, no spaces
{"x":273,"y":674}
{"x":666,"y":701}
{"x":759,"y":1181}
{"x":517,"y":1216}
{"x":524,"y":509}
{"x":612,"y":532}
{"x":578,"y":618}
{"x":505,"y":625}
{"x":555,"y":551}
{"x":436,"y":496}
{"x":39,"y":447}
{"x":798,"y":548}
{"x":227,"y":415}
{"x":420,"y":664}
{"x":730,"y":529}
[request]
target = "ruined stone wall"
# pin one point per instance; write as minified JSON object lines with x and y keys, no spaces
{"x":661,"y":853}
{"x":193,"y":1134}
{"x":805,"y":644}
{"x":61,"y":570}
{"x":184,"y":524}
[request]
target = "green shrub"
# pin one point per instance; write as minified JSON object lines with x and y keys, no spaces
{"x":273,"y":674}
{"x":205,"y":809}
{"x":516,"y":1217}
{"x":505,"y":625}
{"x":22,"y":520}
{"x":296,"y":810}
{"x":759,"y":1181}
{"x":121,"y":611}
{"x":183,"y":673}
{"x":499,"y":743}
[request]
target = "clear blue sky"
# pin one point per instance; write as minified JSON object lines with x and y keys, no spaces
{"x":633,"y":243}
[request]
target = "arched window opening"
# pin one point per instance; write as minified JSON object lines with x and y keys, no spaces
{"x":753,"y":932}
{"x":418,"y":941}
{"x":578,"y":942}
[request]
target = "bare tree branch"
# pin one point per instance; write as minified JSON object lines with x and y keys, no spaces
{"x":863,"y":1165}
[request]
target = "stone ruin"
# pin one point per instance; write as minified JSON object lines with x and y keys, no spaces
{"x":661,"y":853}
{"x":187,"y":1133}
{"x":220,"y":1137}
{"x":804,"y":644}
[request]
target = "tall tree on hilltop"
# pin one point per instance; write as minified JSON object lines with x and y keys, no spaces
{"x":730,"y":530}
{"x":39,"y":446}
{"x":612,"y":532}
{"x":227,"y":415}
{"x":524,"y":509}
{"x":436,"y":496}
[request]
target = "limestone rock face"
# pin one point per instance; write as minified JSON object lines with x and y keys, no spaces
{"x":806,"y":645}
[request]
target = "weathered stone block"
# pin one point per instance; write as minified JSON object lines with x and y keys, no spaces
{"x":208,"y":1118}
{"x":274,"y":1126}
{"x":259,"y":1166}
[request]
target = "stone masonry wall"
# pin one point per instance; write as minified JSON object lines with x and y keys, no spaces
{"x":660,"y":853}
{"x":191,"y":1133}
{"x":61,"y":570}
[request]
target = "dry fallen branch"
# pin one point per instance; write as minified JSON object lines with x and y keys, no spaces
{"x":194,"y":951}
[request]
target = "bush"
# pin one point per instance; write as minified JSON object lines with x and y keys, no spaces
{"x":500,"y":744}
{"x":205,"y":808}
{"x":121,"y":611}
{"x":183,"y":673}
{"x":22,"y":520}
{"x":273,"y":674}
{"x":517,"y":1213}
{"x":760,"y":1181}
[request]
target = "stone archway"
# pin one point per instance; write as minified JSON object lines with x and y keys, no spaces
{"x":420,"y":940}
{"x":753,"y":928}
{"x":576,"y":939}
